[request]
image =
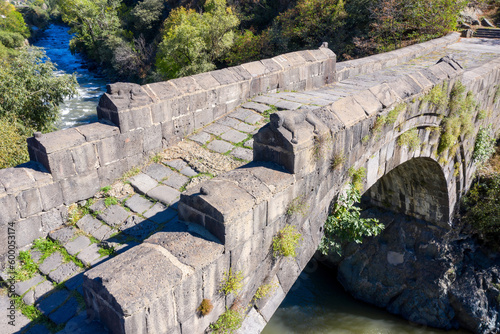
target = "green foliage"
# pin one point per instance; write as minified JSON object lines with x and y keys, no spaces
{"x":228,"y":322}
{"x":47,"y":247}
{"x":389,"y":119}
{"x":111,"y":200}
{"x":346,"y":225}
{"x":267,"y":113}
{"x":27,"y":268}
{"x":31,"y":92}
{"x":484,"y":146}
{"x":132,"y":172}
{"x":264,"y":290}
{"x":410,"y":139}
{"x":11,"y":20}
{"x":157,"y":158}
{"x":13,"y":148}
{"x":297,"y":206}
{"x":110,"y":251}
{"x":30,"y":311}
{"x":482,"y":206}
{"x":397,"y":21}
{"x":311,"y":22}
{"x":76,"y":212}
{"x":192,"y":42}
{"x":482,"y":115}
{"x":147,"y":14}
{"x":459,"y":121}
{"x":357,"y":176}
{"x":11,"y":39}
{"x":231,"y":282}
{"x":247,"y":47}
{"x":286,"y":242}
{"x":337,"y":160}
{"x":205,"y":307}
{"x":437,"y":97}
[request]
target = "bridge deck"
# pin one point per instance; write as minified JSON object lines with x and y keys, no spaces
{"x":221,"y":146}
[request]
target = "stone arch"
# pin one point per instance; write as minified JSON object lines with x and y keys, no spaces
{"x":417,"y":188}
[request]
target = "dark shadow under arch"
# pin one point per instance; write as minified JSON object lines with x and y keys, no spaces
{"x":417,"y":188}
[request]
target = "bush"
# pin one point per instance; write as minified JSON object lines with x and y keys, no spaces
{"x":484,"y":146}
{"x":11,"y":39}
{"x":286,"y":242}
{"x":13,"y":148}
{"x":482,"y":206}
{"x":346,"y":225}
{"x":231,"y":282}
{"x":228,"y":322}
{"x":205,"y":307}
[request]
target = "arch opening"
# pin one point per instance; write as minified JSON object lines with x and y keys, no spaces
{"x":417,"y":188}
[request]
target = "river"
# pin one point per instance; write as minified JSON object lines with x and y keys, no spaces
{"x":80,"y":109}
{"x":316,"y":303}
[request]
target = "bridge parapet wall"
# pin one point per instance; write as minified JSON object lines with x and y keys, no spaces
{"x":351,"y":68}
{"x":71,"y":165}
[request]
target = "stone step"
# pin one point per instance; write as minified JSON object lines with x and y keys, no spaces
{"x":487,"y":33}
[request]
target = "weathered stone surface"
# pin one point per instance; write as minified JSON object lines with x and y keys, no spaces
{"x":51,"y":263}
{"x":234,"y":136}
{"x":143,"y":183}
{"x":63,"y":235}
{"x":256,"y":106}
{"x":75,"y":246}
{"x":103,"y":232}
{"x":201,"y":138}
{"x":51,"y":196}
{"x":22,"y":287}
{"x":160,"y":214}
{"x":242,"y":153}
{"x":177,"y":164}
{"x":220,"y":146}
{"x":28,"y":230}
{"x":165,"y":194}
{"x":52,"y":219}
{"x":158,"y":171}
{"x":176,"y":181}
{"x":42,"y":290}
{"x":88,"y":224}
{"x":138,"y":204}
{"x":64,"y":271}
{"x":50,"y":303}
{"x":29,"y":202}
{"x":89,"y":254}
{"x":114,"y":215}
{"x":65,"y":312}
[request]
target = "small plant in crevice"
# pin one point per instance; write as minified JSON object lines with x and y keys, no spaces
{"x":205,"y":307}
{"x":337,"y":160}
{"x":317,"y":148}
{"x":26,"y":269}
{"x":111,"y":200}
{"x":345,"y":224}
{"x":285,"y":243}
{"x":437,"y":97}
{"x":410,"y":139}
{"x":232,"y":282}
{"x":456,"y":169}
{"x":157,"y":158}
{"x":357,"y":176}
{"x":264,"y":290}
{"x":228,"y":322}
{"x":482,"y":115}
{"x":389,"y":119}
{"x":267,"y":113}
{"x":484,"y":146}
{"x":297,"y":206}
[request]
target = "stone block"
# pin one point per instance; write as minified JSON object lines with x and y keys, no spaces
{"x":63,"y":235}
{"x":178,"y":164}
{"x":51,"y":196}
{"x":183,"y":126}
{"x":234,"y":136}
{"x":88,"y":224}
{"x":51,"y":263}
{"x":52,"y":302}
{"x":29,"y":202}
{"x":348,"y":111}
{"x":64,"y":271}
{"x":22,"y":287}
{"x":42,"y":290}
{"x":138,"y":203}
{"x":8,"y":209}
{"x":103,"y":232}
{"x":60,"y":164}
{"x":385,"y":95}
{"x":52,"y":220}
{"x":152,"y":138}
{"x":201,"y":138}
{"x":242,"y":153}
{"x":109,"y":150}
{"x":273,"y":303}
{"x":28,"y":230}
{"x":114,"y":215}
{"x":164,"y":194}
{"x":190,"y":292}
{"x":97,"y":131}
{"x":160,"y":214}
{"x":75,"y":246}
{"x":80,"y":187}
{"x":220,"y":146}
{"x":176,"y":181}
{"x":188,"y":171}
{"x":143,"y":183}
{"x":85,"y":158}
{"x":89,"y":254}
{"x":138,"y":227}
{"x":112,"y":171}
{"x":158,"y":171}
{"x":131,"y":143}
{"x":60,"y":140}
{"x":65,"y":312}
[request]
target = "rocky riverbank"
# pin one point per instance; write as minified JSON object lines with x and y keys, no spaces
{"x":429,"y":276}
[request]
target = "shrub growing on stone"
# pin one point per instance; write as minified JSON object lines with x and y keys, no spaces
{"x":205,"y":307}
{"x":231,"y":282}
{"x":286,"y":242}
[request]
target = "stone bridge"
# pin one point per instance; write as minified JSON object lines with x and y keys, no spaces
{"x":380,"y":114}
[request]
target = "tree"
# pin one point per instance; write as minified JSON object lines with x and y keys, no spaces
{"x":93,"y":22}
{"x":312,"y":22}
{"x":12,"y":21}
{"x":30,"y":92}
{"x":147,"y":13}
{"x":193,"y":42}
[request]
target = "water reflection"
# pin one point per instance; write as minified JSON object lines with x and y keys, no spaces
{"x":82,"y":108}
{"x":318,"y":304}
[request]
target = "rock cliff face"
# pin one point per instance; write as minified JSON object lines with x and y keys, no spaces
{"x":430,"y":277}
